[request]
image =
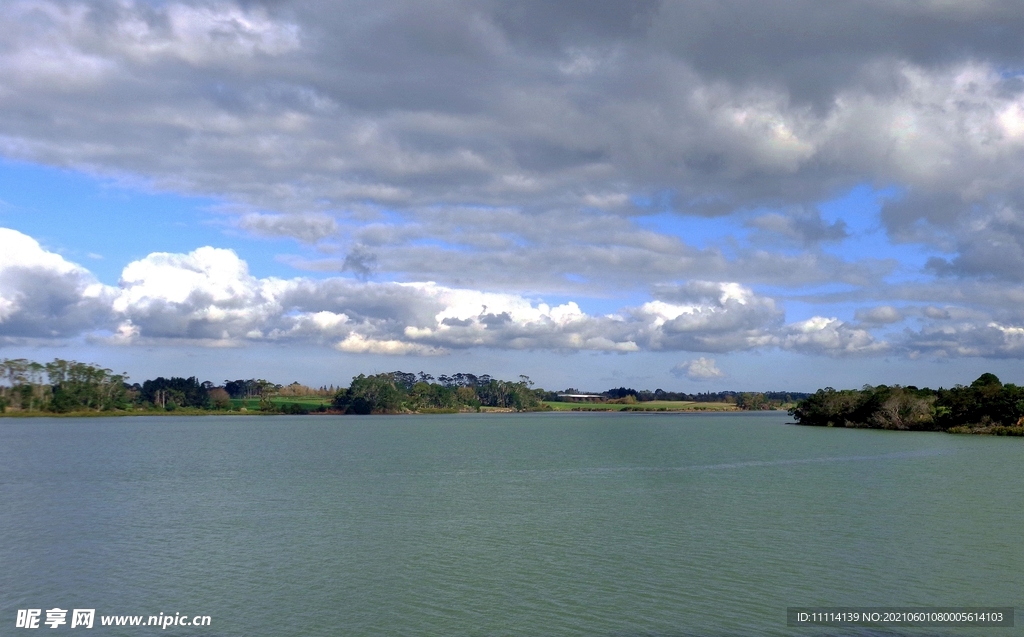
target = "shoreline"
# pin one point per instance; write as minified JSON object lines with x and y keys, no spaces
{"x":990,"y":430}
{"x":962,"y":430}
{"x":335,"y":412}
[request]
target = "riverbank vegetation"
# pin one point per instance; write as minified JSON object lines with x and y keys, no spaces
{"x":398,"y":392}
{"x":72,"y":388}
{"x":986,"y":406}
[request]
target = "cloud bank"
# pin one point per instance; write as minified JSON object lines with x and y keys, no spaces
{"x":208,"y":297}
{"x":436,"y":136}
{"x":442,"y":170}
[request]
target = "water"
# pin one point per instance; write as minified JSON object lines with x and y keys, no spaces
{"x":541,"y":524}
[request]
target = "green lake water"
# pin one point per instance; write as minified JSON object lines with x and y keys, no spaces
{"x":502,"y":524}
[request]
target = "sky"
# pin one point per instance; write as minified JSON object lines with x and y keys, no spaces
{"x":695,"y":196}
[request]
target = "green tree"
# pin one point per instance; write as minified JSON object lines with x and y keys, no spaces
{"x":176,"y":392}
{"x":370,"y":394}
{"x":78,"y":386}
{"x":752,"y":401}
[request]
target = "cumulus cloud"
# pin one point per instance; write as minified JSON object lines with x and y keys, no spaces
{"x":991,"y":340}
{"x":209,"y":297}
{"x":207,"y":294}
{"x":710,"y":317}
{"x":471,"y":318}
{"x":44,"y":295}
{"x":698,"y":369}
{"x":830,"y":336}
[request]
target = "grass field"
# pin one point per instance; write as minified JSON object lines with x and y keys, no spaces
{"x":654,"y":405}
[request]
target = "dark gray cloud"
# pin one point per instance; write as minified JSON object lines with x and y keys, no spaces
{"x":990,"y":245}
{"x":817,"y":49}
{"x":44,"y":303}
{"x":308,"y":228}
{"x":360,"y":262}
{"x":290,"y":104}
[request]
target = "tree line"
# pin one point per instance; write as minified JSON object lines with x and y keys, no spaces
{"x":63,"y":386}
{"x":984,"y":406}
{"x":70,"y":386}
{"x":397,"y":392}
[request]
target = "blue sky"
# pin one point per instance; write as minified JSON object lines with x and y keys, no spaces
{"x":104,"y":224}
{"x":641,"y":195}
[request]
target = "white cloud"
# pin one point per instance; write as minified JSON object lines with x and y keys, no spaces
{"x":209,"y":296}
{"x":990,"y":339}
{"x":206,"y":294}
{"x":356,"y":343}
{"x":44,"y":295}
{"x":709,"y":317}
{"x":820,"y":335}
{"x":698,"y":369}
